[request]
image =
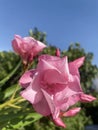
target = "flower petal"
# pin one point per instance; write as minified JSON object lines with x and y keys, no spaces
{"x":16,"y":44}
{"x":53,"y":76}
{"x":26,"y":78}
{"x":59,"y":122}
{"x":33,"y":92}
{"x":44,"y":65}
{"x":31,"y":95}
{"x":55,"y":111}
{"x":72,"y":112}
{"x":73,"y":88}
{"x":42,"y":107}
{"x":49,"y":100}
{"x":78,"y":62}
{"x":74,"y":84}
{"x":47,"y":57}
{"x":73,"y":66}
{"x":54,"y":63}
{"x":87,"y":98}
{"x":69,"y":102}
{"x":38,"y":47}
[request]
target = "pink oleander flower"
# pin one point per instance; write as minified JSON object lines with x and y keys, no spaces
{"x":27,"y":47}
{"x":54,"y":86}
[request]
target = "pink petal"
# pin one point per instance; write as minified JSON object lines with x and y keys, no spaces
{"x":78,"y":62}
{"x":26,"y":78}
{"x":69,"y":102}
{"x":53,"y":76}
{"x":47,"y":57}
{"x":72,"y":112}
{"x":74,"y":84}
{"x":59,"y":64}
{"x":87,"y":98}
{"x":64,"y":68}
{"x":73,"y":66}
{"x":55,"y":111}
{"x":38,"y":47}
{"x":33,"y":92}
{"x":50,"y":74}
{"x":20,"y":46}
{"x":50,"y":102}
{"x":44,"y":65}
{"x":59,"y":122}
{"x":16,"y":44}
{"x":30,"y":41}
{"x":42,"y":107}
{"x":73,"y":89}
{"x":31,"y":95}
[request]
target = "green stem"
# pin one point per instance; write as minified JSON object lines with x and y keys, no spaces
{"x":14,"y":93}
{"x":2,"y":82}
{"x":12,"y":103}
{"x":4,"y":105}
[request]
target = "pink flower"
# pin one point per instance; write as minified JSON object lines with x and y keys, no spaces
{"x":27,"y":47}
{"x":54,"y":86}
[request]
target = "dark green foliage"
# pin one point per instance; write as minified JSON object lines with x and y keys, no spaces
{"x":74,"y":123}
{"x":8,"y":60}
{"x":17,"y":119}
{"x":91,"y":109}
{"x":10,"y":67}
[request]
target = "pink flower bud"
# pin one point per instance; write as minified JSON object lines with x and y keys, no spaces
{"x":27,"y":47}
{"x":57,"y":53}
{"x":71,"y":112}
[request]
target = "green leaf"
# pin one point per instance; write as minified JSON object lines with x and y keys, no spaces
{"x":10,"y":90}
{"x":14,"y":119}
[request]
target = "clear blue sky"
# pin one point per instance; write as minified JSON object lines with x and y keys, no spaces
{"x":64,"y":21}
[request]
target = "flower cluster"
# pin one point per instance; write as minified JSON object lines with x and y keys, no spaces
{"x":54,"y":85}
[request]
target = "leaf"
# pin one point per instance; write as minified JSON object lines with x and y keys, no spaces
{"x":9,"y":91}
{"x":14,"y":119}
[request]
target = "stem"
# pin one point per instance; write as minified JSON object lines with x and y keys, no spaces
{"x":11,"y":103}
{"x":2,"y":82}
{"x":14,"y":106}
{"x":4,"y":105}
{"x":13,"y":95}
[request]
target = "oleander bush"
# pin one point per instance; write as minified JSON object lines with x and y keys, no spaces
{"x":17,"y":114}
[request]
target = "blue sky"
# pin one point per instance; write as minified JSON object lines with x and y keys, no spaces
{"x":64,"y":21}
